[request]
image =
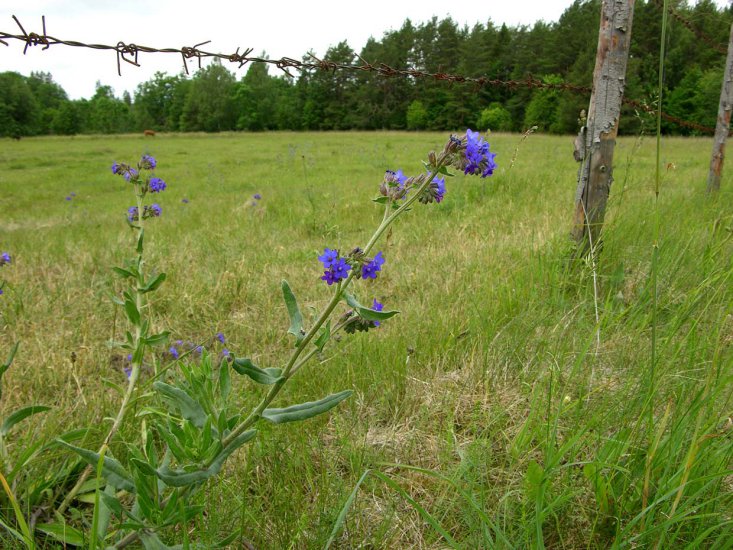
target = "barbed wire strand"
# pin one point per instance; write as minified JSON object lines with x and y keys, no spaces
{"x":714,"y":44}
{"x":129,"y":54}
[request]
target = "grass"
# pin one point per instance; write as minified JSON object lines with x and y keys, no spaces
{"x":474,"y":409}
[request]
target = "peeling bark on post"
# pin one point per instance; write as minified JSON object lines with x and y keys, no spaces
{"x":722,"y":127}
{"x":596,"y":140}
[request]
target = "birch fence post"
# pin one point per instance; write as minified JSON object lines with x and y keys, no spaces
{"x":722,"y":127}
{"x":595,"y":142}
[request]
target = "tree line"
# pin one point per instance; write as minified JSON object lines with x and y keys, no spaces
{"x":214,"y":100}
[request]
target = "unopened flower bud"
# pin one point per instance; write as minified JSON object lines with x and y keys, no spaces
{"x":432,"y":159}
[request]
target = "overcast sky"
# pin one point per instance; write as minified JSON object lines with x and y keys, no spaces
{"x":283,"y":28}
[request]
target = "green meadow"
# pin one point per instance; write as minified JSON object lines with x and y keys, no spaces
{"x":521,"y":398}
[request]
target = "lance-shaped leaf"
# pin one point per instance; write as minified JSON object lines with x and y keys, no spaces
{"x":156,"y":339}
{"x":123,"y":272}
{"x":112,"y":470}
{"x":305,"y":410}
{"x":19,"y":415}
{"x":63,"y":533}
{"x":132,"y":312}
{"x":244,"y":365}
{"x":368,"y":313}
{"x":153,"y":284}
{"x":190,"y":409}
{"x":182,"y":478}
{"x":296,"y":319}
{"x":140,"y":241}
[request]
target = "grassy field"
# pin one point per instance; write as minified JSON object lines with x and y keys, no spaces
{"x":533,"y":408}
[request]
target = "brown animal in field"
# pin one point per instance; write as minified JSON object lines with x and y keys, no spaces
{"x":150,"y":133}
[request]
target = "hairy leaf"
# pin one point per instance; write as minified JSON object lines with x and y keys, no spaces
{"x":368,"y":313}
{"x":246,"y":367}
{"x":112,"y":470}
{"x":190,"y":409}
{"x":182,"y":478}
{"x":296,"y":319}
{"x":304,"y":411}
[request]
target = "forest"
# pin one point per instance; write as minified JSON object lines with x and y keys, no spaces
{"x":214,"y":99}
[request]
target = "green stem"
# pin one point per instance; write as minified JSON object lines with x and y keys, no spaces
{"x":135,"y":366}
{"x":289,"y":370}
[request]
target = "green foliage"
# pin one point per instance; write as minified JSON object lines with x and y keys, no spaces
{"x":542,"y":108}
{"x":417,"y":116}
{"x":19,"y":110}
{"x":495,"y":118}
{"x":214,"y":99}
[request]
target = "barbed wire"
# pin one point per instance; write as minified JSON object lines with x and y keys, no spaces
{"x":714,"y":44}
{"x":129,"y":54}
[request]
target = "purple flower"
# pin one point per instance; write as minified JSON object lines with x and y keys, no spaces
{"x":328,"y":258}
{"x":128,"y":371}
{"x":156,"y":185}
{"x":225,"y":353}
{"x":130,"y":173}
{"x":369,"y":270}
{"x":478,"y":157}
{"x":173,"y":352}
{"x":129,"y":357}
{"x":72,"y":194}
{"x":4,"y":258}
{"x":154,"y":210}
{"x":179,"y":342}
{"x":132,"y":214}
{"x":1,"y":292}
{"x":439,"y":190}
{"x":198,"y":349}
{"x":147,"y":162}
{"x":220,"y":337}
{"x":395,"y":177}
{"x":184,"y":201}
{"x":256,"y":196}
{"x":339,"y":270}
{"x":116,"y":168}
{"x":68,"y":198}
{"x":376,"y":306}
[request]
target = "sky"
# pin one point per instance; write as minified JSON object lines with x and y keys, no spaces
{"x":285,"y":28}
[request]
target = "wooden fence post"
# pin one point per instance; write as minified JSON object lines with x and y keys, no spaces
{"x":722,"y":127}
{"x":594,"y":145}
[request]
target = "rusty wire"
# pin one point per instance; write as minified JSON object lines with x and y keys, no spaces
{"x":714,"y":44}
{"x":129,"y":54}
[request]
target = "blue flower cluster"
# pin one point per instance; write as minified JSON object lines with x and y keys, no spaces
{"x":478,"y":158}
{"x":174,"y":351}
{"x":369,"y":269}
{"x":156,"y":185}
{"x":147,"y":184}
{"x":336,"y":268}
{"x":147,"y":162}
{"x":149,"y":211}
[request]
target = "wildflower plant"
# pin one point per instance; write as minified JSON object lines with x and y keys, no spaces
{"x":140,"y":337}
{"x":195,"y":425}
{"x":5,"y":259}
